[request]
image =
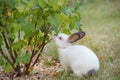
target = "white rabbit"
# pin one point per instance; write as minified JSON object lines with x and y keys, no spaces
{"x":78,"y":58}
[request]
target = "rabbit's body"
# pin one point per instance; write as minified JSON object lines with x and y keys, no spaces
{"x":78,"y":58}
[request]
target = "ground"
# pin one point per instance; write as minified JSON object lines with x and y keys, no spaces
{"x":101,"y":22}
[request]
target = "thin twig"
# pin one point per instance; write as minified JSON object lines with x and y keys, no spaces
{"x":19,"y":35}
{"x":3,"y":54}
{"x":15,"y":53}
{"x":60,"y":27}
{"x":8,"y":48}
{"x":48,"y":41}
{"x":5,"y":40}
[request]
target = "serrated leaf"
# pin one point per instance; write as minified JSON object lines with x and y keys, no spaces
{"x":40,"y":22}
{"x":7,"y":67}
{"x":65,"y":29}
{"x":78,"y":25}
{"x":53,"y":21}
{"x":1,"y":60}
{"x":40,"y":34}
{"x":20,"y":7}
{"x":26,"y":1}
{"x":18,"y":45}
{"x":63,"y":17}
{"x":11,"y":35}
{"x":25,"y":58}
{"x":67,"y":10}
{"x":54,"y":4}
{"x":11,"y":3}
{"x":61,"y":3}
{"x":16,"y":27}
{"x":55,"y":29}
{"x":41,"y":3}
{"x":72,"y":24}
{"x":28,"y":28}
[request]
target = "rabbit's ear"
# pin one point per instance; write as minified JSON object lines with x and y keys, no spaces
{"x":76,"y":36}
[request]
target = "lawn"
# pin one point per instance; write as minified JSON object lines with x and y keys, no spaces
{"x":101,"y":22}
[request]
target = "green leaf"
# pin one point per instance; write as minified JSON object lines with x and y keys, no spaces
{"x":24,"y":59}
{"x":28,"y":28}
{"x":72,"y":24}
{"x":17,"y":62}
{"x":41,"y":3}
{"x":16,"y":26}
{"x":54,"y":4}
{"x":62,"y":17}
{"x":67,"y":10}
{"x":20,"y":7}
{"x":13,"y":27}
{"x":53,"y":21}
{"x":40,"y":34}
{"x":77,"y":5}
{"x":11,"y":3}
{"x":31,"y":3}
{"x":40,"y":22}
{"x":26,"y":1}
{"x":1,"y":60}
{"x":7,"y":67}
{"x":55,"y":29}
{"x":18,"y":45}
{"x":61,"y":3}
{"x":78,"y":25}
{"x":65,"y":29}
{"x":11,"y":35}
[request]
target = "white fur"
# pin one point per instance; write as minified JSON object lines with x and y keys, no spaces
{"x":78,"y":58}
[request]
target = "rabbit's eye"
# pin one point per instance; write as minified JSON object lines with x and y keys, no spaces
{"x":60,"y":38}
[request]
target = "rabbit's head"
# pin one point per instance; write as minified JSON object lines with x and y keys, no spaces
{"x":63,"y":40}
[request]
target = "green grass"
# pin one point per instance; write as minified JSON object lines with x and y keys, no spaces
{"x":101,"y":22}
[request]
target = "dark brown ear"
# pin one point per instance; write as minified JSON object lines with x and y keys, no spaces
{"x":76,"y":36}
